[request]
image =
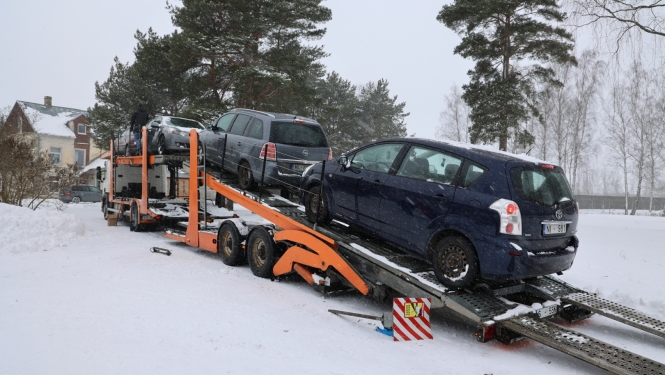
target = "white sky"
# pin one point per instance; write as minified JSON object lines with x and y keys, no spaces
{"x":61,"y":48}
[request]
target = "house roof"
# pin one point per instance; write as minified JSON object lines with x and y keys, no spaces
{"x":50,"y":120}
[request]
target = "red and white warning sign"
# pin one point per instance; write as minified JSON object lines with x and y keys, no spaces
{"x":411,"y":319}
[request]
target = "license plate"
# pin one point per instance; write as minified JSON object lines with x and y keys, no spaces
{"x":547,"y":311}
{"x":298,"y":167}
{"x":554,"y":228}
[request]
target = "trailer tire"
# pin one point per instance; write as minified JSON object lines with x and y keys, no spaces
{"x":134,"y":225}
{"x":261,"y":252}
{"x":228,"y":245}
{"x":455,"y":263}
{"x":312,"y":206}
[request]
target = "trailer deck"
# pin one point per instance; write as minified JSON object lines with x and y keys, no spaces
{"x":502,"y":311}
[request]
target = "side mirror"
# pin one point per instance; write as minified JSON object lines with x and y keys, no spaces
{"x":99,"y":173}
{"x":343,"y":161}
{"x":153,"y":125}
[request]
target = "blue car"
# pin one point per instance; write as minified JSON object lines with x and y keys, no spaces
{"x":472,"y":212}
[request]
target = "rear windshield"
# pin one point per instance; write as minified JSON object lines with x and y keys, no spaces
{"x":183,"y":123}
{"x":542,"y":186}
{"x":293,"y":134}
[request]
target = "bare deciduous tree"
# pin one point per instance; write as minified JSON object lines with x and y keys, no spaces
{"x":618,"y":134}
{"x":454,"y":122}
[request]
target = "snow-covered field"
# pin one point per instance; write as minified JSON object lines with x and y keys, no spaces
{"x":79,"y":297}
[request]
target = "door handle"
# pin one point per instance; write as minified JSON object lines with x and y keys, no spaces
{"x":239,"y":143}
{"x":377,"y":182}
{"x":439,"y":195}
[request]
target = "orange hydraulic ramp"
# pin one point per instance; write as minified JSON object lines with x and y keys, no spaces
{"x":320,"y":251}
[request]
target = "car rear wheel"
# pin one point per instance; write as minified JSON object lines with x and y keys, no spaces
{"x":76,"y":200}
{"x":455,"y":263}
{"x":313,"y":205}
{"x":245,"y":177}
{"x":161,"y":145}
{"x":228,"y":245}
{"x":261,"y":253}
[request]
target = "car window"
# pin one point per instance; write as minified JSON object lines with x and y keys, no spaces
{"x":255,"y":129}
{"x":77,"y":188}
{"x":240,"y":124}
{"x":296,"y":134}
{"x":156,"y":121}
{"x":94,"y":189}
{"x":377,"y":158}
{"x":224,"y":122}
{"x":430,"y":165}
{"x":543,"y":186}
{"x":473,"y":173}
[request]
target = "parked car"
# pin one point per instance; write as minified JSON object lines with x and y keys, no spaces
{"x":80,"y":193}
{"x":166,"y":135}
{"x":473,"y":213}
{"x":240,"y":140}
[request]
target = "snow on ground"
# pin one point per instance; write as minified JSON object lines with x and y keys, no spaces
{"x":79,"y":297}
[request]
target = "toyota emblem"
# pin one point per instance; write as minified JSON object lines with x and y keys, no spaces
{"x":305,"y":152}
{"x":559,"y":214}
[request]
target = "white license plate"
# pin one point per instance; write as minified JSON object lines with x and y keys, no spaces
{"x":546,"y":311}
{"x":298,"y":167}
{"x":554,"y":228}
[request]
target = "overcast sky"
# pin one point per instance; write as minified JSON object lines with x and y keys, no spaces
{"x":61,"y":48}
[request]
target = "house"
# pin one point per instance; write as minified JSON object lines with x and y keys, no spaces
{"x":62,"y":132}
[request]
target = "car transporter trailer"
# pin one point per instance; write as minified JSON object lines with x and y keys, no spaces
{"x":333,"y":255}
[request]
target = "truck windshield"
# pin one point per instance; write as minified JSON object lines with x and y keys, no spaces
{"x":293,"y":134}
{"x":543,"y":186}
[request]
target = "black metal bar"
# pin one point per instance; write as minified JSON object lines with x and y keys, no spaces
{"x":226,"y":135}
{"x":263,"y":171}
{"x":205,"y":188}
{"x":320,"y":208}
{"x":364,"y":316}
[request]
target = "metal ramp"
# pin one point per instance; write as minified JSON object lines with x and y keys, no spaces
{"x":617,"y":312}
{"x":588,"y":349}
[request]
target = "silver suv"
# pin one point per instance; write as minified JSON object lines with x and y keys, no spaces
{"x":242,"y":140}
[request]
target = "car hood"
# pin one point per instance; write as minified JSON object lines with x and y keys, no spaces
{"x":186,"y":130}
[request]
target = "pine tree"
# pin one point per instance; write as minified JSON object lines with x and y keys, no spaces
{"x":498,"y":35}
{"x":380,"y":116}
{"x":337,"y":112}
{"x":251,"y":52}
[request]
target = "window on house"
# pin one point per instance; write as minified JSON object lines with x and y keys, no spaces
{"x":79,"y":157}
{"x":81,"y":128}
{"x":56,"y":155}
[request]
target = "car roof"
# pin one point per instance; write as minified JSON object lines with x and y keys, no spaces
{"x":272,"y":115}
{"x":472,"y":151}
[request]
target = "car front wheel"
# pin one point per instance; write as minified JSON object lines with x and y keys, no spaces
{"x":161,"y":145}
{"x":455,"y":263}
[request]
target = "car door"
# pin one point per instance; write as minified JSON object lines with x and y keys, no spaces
{"x":419,"y":194}
{"x":356,"y":188}
{"x":235,"y":142}
{"x":214,"y":140}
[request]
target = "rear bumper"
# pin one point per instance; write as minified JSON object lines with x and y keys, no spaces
{"x":65,"y":199}
{"x":277,"y":176}
{"x":506,"y":259}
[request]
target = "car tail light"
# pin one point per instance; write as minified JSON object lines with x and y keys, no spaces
{"x":272,"y":152}
{"x":511,"y":219}
{"x":68,"y":194}
{"x":547,"y":166}
{"x":329,"y":153}
{"x":299,"y":121}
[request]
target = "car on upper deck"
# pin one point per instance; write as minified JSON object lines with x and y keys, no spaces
{"x":243,"y":140}
{"x":166,"y":135}
{"x":473,"y":213}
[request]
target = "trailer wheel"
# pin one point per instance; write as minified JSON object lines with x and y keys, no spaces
{"x":134,"y":225}
{"x":455,"y":263}
{"x":228,"y":245}
{"x":312,"y":206}
{"x":261,"y":252}
{"x":245,"y":177}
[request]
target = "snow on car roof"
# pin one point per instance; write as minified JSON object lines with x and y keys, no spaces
{"x":489,"y":148}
